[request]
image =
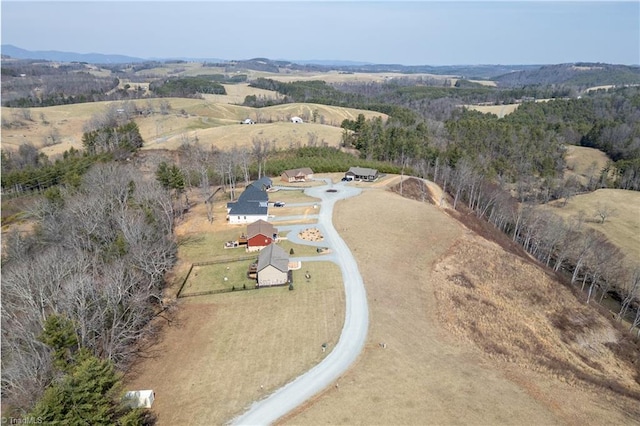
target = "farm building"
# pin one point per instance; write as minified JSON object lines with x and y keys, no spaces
{"x":260,"y":234}
{"x":247,"y":121}
{"x":273,"y":266}
{"x":297,"y":175}
{"x":140,"y":399}
{"x":252,"y":205}
{"x":361,"y":173}
{"x":296,"y":120}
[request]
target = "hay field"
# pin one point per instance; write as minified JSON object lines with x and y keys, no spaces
{"x":622,"y":228}
{"x":499,"y":110}
{"x":469,"y":332}
{"x":342,"y":77}
{"x":282,"y":135}
{"x":584,"y":162}
{"x":211,"y":122}
{"x":236,"y":93}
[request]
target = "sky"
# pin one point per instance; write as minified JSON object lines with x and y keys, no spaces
{"x":383,"y":32}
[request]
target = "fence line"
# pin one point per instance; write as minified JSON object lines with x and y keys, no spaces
{"x":222,"y":290}
{"x":211,"y":262}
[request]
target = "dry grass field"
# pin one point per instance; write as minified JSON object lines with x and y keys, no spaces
{"x":584,"y":162}
{"x":499,"y":110}
{"x":212,"y":122}
{"x":622,"y":227}
{"x":473,"y":333}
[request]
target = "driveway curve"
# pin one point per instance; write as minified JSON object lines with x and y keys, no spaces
{"x":354,"y":331}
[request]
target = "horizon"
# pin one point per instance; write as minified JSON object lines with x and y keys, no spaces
{"x":383,"y":32}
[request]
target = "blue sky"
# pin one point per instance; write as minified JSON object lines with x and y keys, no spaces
{"x":408,"y":33}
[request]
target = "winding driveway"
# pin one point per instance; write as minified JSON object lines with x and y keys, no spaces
{"x":354,"y":331}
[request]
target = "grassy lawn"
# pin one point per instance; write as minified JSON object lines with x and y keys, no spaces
{"x":204,"y":247}
{"x":299,"y":250}
{"x":294,"y":211}
{"x":224,"y":351}
{"x":212,"y":277}
{"x":290,"y":195}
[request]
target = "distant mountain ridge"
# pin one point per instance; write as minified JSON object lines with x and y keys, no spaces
{"x":578,"y":74}
{"x":58,"y":56}
{"x":264,"y":64}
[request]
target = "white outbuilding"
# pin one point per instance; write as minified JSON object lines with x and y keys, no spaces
{"x":296,"y":120}
{"x":140,"y":398}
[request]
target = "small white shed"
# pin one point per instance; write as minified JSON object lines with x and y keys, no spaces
{"x":248,"y":121}
{"x":296,"y":120}
{"x":140,"y":398}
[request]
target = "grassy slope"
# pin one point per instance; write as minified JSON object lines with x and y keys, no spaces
{"x":622,"y":228}
{"x":474,"y":334}
{"x":189,"y":118}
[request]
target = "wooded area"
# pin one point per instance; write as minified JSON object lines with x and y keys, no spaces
{"x":98,"y":257}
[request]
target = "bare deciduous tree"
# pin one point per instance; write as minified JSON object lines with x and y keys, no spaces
{"x":99,"y":259}
{"x":604,"y":211}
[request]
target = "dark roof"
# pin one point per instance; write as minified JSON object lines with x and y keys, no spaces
{"x":275,"y":256}
{"x":253,"y":193}
{"x":251,"y":208}
{"x":252,"y":201}
{"x":261,"y":227}
{"x":263,"y":183}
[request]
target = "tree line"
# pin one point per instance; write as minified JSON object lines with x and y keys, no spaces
{"x":98,"y":257}
{"x":27,"y":170}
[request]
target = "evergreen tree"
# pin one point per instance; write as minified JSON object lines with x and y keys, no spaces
{"x":87,"y":391}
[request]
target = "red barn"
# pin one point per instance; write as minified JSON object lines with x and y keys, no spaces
{"x":260,"y":234}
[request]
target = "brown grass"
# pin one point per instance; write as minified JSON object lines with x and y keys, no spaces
{"x":474,"y":334}
{"x":584,"y":162}
{"x":223,"y":351}
{"x":499,"y":110}
{"x":622,"y":228}
{"x":209,"y":121}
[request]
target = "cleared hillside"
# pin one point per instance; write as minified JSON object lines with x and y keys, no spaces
{"x":621,"y":227}
{"x":584,"y":163}
{"x":176,"y":122}
{"x":473,"y":334}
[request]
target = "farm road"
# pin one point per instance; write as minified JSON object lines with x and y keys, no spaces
{"x":354,"y":331}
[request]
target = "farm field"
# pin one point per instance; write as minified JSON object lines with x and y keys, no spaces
{"x":622,"y":228}
{"x":499,"y":110}
{"x":211,"y":122}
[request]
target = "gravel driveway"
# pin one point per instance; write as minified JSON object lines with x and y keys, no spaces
{"x":354,"y":331}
